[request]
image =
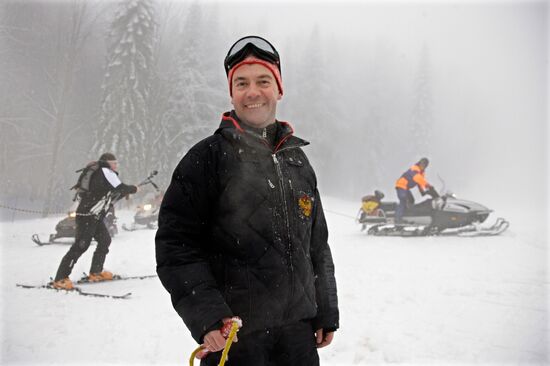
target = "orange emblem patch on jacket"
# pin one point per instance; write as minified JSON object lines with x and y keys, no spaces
{"x":306,"y":205}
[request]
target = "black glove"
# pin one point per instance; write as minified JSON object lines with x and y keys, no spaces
{"x":432,"y":192}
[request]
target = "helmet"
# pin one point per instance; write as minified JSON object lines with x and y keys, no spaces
{"x":424,"y":161}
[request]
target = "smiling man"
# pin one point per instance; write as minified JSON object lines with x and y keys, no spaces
{"x":255,"y":91}
{"x":242,"y":231}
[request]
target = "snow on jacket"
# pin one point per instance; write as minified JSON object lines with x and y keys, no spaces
{"x":102,"y":181}
{"x":242,"y":232}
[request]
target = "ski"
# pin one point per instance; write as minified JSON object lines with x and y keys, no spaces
{"x":84,"y":280}
{"x":76,"y":290}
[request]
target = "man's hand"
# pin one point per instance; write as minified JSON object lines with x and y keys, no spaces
{"x":323,"y":339}
{"x":214,"y":340}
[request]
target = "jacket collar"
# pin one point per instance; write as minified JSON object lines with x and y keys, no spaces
{"x":416,"y":168}
{"x":233,"y":127}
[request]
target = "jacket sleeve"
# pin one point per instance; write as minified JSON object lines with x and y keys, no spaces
{"x":111,"y":182}
{"x":323,"y":266}
{"x":125,"y":189}
{"x":182,"y":247}
{"x":421,"y":181}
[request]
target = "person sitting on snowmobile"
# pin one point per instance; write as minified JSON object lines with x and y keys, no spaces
{"x":410,"y":179}
{"x":102,"y":180}
{"x":369,"y":206}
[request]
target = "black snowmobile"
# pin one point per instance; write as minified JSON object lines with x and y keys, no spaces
{"x":66,"y":228}
{"x":443,"y":215}
{"x":147,"y":213}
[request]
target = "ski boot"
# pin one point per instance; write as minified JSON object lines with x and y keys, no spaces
{"x":102,"y":276}
{"x":63,"y":284}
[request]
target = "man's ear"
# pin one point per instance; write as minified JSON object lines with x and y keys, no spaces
{"x":280,"y":96}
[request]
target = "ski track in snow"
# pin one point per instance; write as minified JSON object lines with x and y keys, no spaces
{"x":411,"y":301}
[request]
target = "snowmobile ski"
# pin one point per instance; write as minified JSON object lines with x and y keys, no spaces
{"x":129,"y":228}
{"x":36,"y":239}
{"x":133,"y":226}
{"x":76,"y":290}
{"x":497,"y":228}
{"x":84,"y":280}
{"x":472,"y":230}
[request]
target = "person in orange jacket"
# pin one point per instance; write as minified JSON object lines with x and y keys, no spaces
{"x":410,"y":179}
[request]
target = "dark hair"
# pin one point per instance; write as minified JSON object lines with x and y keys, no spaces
{"x":107,"y":157}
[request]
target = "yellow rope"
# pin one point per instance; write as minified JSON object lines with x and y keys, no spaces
{"x":234,"y":329}
{"x":192,"y":359}
{"x":228,"y":342}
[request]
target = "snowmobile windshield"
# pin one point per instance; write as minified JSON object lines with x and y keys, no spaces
{"x":254,"y":45}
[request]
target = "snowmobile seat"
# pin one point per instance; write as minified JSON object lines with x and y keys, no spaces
{"x":423,"y":208}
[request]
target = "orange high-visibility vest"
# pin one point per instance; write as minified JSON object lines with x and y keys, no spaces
{"x":411,"y":178}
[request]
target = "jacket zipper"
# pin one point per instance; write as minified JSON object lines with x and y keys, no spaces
{"x":287,"y":223}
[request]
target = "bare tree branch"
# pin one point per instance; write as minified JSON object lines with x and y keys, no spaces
{"x":38,"y":105}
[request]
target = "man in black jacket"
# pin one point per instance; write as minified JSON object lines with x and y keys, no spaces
{"x":242,"y":230}
{"x":103,"y":179}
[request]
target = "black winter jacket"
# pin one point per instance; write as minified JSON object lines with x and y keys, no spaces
{"x":242,"y":232}
{"x":99,"y":187}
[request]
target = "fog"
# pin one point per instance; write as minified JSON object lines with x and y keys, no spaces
{"x":373,"y":86}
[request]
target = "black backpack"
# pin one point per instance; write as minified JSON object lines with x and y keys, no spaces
{"x":82,"y":186}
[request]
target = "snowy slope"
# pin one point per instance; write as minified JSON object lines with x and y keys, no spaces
{"x":403,"y":300}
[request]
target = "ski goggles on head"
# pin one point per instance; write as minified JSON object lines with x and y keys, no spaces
{"x":254,"y":45}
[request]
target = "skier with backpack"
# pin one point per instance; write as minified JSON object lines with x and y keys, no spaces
{"x":97,"y":187}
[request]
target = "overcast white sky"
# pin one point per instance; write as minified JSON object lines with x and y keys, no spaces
{"x":490,"y":73}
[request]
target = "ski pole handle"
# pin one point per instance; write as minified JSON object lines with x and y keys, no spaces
{"x":148,"y":179}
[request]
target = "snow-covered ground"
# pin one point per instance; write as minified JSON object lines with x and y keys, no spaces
{"x":411,"y":301}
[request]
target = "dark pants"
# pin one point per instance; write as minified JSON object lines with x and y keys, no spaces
{"x":406,"y":200}
{"x":87,"y":228}
{"x":289,"y":345}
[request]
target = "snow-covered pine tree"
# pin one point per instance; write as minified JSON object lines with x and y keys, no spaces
{"x":124,"y":125}
{"x":373,"y":125}
{"x":193,"y":106}
{"x":309,"y":99}
{"x":422,"y":123}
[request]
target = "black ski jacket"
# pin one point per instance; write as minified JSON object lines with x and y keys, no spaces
{"x":242,"y":232}
{"x":99,"y":187}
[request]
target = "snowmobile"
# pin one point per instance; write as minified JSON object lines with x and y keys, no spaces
{"x":442,"y":215}
{"x":147,"y":213}
{"x":66,"y":228}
